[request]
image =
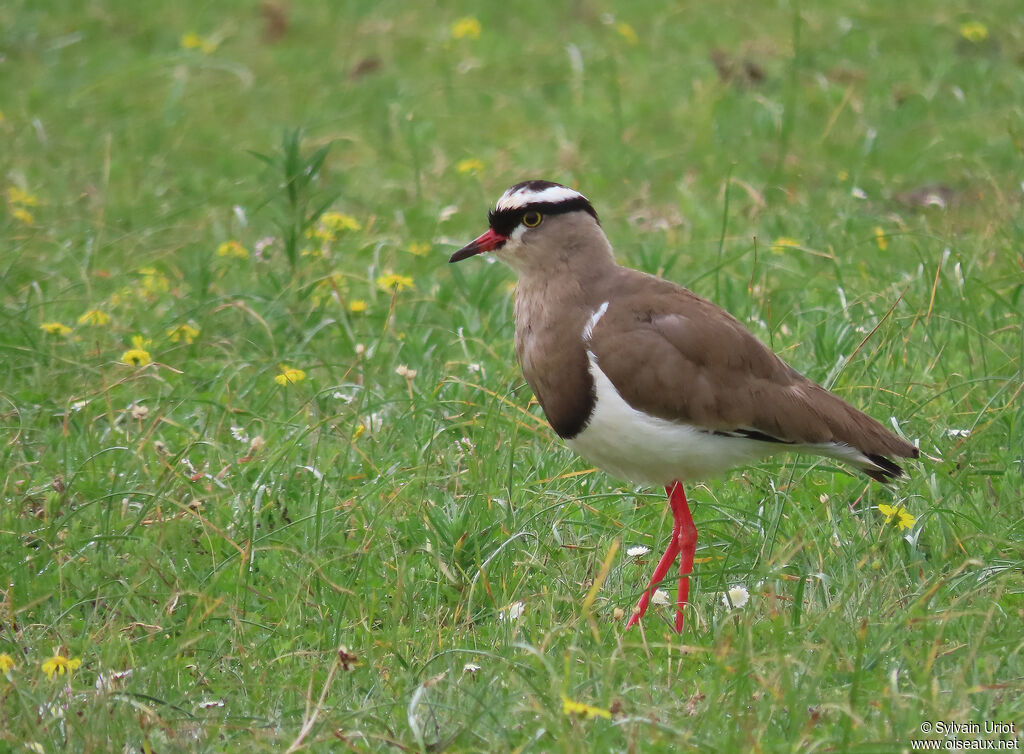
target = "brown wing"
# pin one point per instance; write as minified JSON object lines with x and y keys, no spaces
{"x":677,"y":356}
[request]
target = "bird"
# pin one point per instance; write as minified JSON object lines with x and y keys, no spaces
{"x":649,"y":381}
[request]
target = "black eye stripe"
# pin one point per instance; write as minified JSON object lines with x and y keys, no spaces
{"x":506,"y":220}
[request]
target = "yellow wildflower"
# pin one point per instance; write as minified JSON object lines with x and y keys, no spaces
{"x":337,"y":222}
{"x":466,"y":28}
{"x":357,"y":307}
{"x":141,"y":342}
{"x":881,"y":239}
{"x":21,"y":197}
{"x":136,"y":357}
{"x":627,"y":32}
{"x":289,"y":375}
{"x":232,"y":249}
{"x":359,"y":431}
{"x":974,"y":31}
{"x":392,"y":282}
{"x":418,"y":248}
{"x":904,"y":519}
{"x":192,"y":41}
{"x":469,"y":165}
{"x":55,"y":328}
{"x":153,"y":281}
{"x":94,"y":317}
{"x":59,"y":665}
{"x":320,"y":233}
{"x":183,"y":332}
{"x":783,"y":242}
{"x":570,"y":707}
{"x":6,"y":663}
{"x":843,"y":175}
{"x":22,"y":215}
{"x":2,"y":118}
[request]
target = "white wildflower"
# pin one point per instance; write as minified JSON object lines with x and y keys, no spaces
{"x":737,"y":596}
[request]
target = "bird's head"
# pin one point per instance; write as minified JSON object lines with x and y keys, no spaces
{"x":539,"y":224}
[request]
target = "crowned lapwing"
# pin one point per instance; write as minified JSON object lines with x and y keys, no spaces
{"x":649,"y":381}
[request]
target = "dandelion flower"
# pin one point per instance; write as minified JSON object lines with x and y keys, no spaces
{"x":418,"y":248}
{"x":357,"y":307}
{"x":59,"y":665}
{"x":337,"y":222}
{"x":974,"y":31}
{"x":392,"y":282}
{"x":320,"y":233}
{"x":627,"y":32}
{"x":466,"y":28}
{"x":94,"y":318}
{"x":737,"y":596}
{"x":881,"y":239}
{"x":232,"y":249}
{"x":587,"y":712}
{"x":55,"y":328}
{"x":184,"y":332}
{"x":23,"y":216}
{"x":136,"y":357}
{"x":17,"y":196}
{"x":904,"y":519}
{"x":153,"y":281}
{"x":6,"y":663}
{"x":289,"y":375}
{"x":192,"y":41}
{"x":469,"y":165}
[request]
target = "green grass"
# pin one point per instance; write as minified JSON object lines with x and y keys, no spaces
{"x":144,"y":527}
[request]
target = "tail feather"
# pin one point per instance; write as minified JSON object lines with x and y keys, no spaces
{"x":877,"y":466}
{"x":883,"y":469}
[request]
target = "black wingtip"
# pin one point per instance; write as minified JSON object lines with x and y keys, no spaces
{"x":884,"y":470}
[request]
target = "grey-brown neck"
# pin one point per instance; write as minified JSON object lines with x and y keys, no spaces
{"x":561,"y":275}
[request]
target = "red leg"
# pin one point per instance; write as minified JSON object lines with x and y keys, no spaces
{"x":683,"y":539}
{"x":687,"y":547}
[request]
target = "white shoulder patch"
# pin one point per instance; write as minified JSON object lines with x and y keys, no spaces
{"x":588,"y":329}
{"x":523,"y":196}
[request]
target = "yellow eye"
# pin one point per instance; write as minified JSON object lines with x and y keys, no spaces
{"x":532,"y":219}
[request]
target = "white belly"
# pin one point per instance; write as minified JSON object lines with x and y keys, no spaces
{"x":634,"y":446}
